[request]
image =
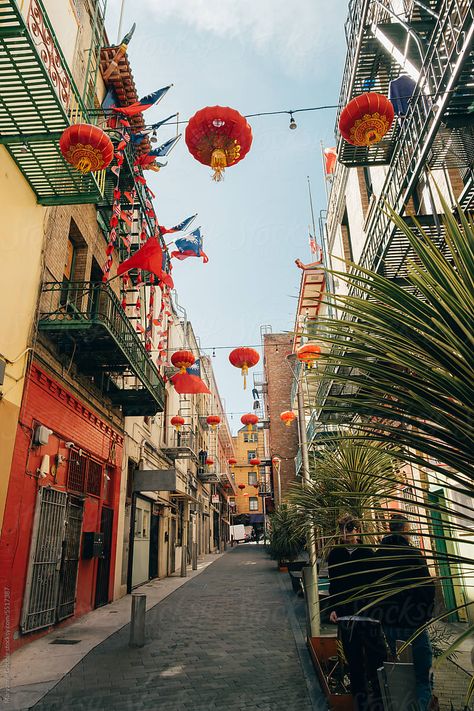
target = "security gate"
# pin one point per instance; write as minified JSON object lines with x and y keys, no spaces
{"x":54,"y":556}
{"x":103,"y":565}
{"x":70,"y":559}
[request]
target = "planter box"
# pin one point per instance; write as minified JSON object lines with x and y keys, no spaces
{"x":283,"y":568}
{"x":323,"y":650}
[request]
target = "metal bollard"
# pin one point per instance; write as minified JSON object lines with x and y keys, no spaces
{"x":137,"y":623}
{"x":195,"y":556}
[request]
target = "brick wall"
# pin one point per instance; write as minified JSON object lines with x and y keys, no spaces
{"x":283,"y":440}
{"x":46,"y":401}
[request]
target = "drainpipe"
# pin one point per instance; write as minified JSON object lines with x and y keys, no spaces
{"x":311,"y":581}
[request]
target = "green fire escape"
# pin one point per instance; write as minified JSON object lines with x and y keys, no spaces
{"x":39,"y":100}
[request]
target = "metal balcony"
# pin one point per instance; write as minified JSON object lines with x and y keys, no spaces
{"x":182,"y":445}
{"x":88,"y":325}
{"x":448,"y":59}
{"x":38,"y":101}
{"x":380,"y":44}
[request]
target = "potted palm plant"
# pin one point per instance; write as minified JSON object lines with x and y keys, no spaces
{"x":286,"y":543}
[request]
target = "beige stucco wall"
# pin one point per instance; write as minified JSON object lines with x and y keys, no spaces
{"x":21,"y":242}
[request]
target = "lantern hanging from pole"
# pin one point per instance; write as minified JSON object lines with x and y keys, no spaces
{"x":250,"y":420}
{"x":244,"y":358}
{"x":86,"y":147}
{"x":218,"y":136}
{"x":177,"y":421}
{"x":209,"y":462}
{"x":241,"y":487}
{"x":182,"y":360}
{"x":288,"y":417}
{"x":231,"y":462}
{"x":309,"y":354}
{"x":366,"y":119}
{"x":213,"y":421}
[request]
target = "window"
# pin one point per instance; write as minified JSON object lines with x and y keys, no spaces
{"x":252,"y":478}
{"x":250,"y":437}
{"x":253,"y":503}
{"x":251,"y":454}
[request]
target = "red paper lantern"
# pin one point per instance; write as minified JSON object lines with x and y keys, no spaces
{"x":86,"y":147}
{"x":309,"y":354}
{"x":241,"y":486}
{"x":244,"y":358}
{"x":213,"y":421}
{"x":218,"y":136}
{"x":255,"y":462}
{"x":256,"y":486}
{"x":250,"y":420}
{"x":276,"y":461}
{"x":209,"y":462}
{"x":287,"y":417}
{"x":177,"y":421}
{"x":232,"y":461}
{"x":366,"y":119}
{"x":182,"y":360}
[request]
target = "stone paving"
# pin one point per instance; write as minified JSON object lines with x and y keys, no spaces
{"x":222,"y":641}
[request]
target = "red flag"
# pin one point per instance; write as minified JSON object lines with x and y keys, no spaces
{"x":330,"y":157}
{"x":186,"y":384}
{"x":149,"y":258}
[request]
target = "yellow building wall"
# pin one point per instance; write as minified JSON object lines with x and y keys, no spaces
{"x":242,"y":469}
{"x":21,"y":243}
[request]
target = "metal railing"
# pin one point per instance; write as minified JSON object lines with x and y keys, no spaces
{"x":76,"y":305}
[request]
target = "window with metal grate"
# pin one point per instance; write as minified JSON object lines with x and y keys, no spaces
{"x":76,"y":473}
{"x":94,"y":477}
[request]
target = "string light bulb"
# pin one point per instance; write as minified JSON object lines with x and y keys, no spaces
{"x":153,"y":138}
{"x":293,"y":123}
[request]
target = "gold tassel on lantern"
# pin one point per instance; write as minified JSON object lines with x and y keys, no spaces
{"x":218,"y":164}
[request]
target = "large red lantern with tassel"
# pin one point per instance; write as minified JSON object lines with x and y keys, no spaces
{"x":213,"y":421}
{"x":366,"y":119}
{"x":86,"y":147}
{"x":177,"y":421}
{"x":218,"y":136}
{"x":288,"y":417}
{"x":255,"y":462}
{"x":231,"y":462}
{"x":241,"y":487}
{"x":249,"y":419}
{"x":244,"y":358}
{"x":309,"y":354}
{"x":182,"y":360}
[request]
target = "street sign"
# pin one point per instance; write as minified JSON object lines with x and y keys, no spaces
{"x":215,"y":499}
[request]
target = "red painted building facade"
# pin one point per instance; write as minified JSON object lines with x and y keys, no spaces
{"x":58,"y":492}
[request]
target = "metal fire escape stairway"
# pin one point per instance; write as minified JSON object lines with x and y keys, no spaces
{"x":437,"y":131}
{"x":38,"y":101}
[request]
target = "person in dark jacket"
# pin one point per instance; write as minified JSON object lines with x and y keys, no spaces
{"x":350,"y":575}
{"x":402,"y":569}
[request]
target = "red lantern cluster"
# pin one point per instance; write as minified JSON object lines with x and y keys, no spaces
{"x":86,"y":147}
{"x":249,"y":419}
{"x":213,"y":421}
{"x":288,"y":417}
{"x":309,"y":354}
{"x":219,"y":137}
{"x":244,"y":358}
{"x":366,"y":119}
{"x":182,"y":360}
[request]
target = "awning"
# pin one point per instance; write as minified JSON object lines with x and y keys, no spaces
{"x":256,"y":518}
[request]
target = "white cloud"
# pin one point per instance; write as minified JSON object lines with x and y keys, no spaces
{"x":297,"y":31}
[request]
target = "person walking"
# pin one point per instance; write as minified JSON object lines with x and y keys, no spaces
{"x":350,"y":574}
{"x":403,"y":578}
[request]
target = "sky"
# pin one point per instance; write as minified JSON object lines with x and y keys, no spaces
{"x":254,"y":56}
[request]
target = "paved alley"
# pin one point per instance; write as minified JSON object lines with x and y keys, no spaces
{"x":222,"y":641}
